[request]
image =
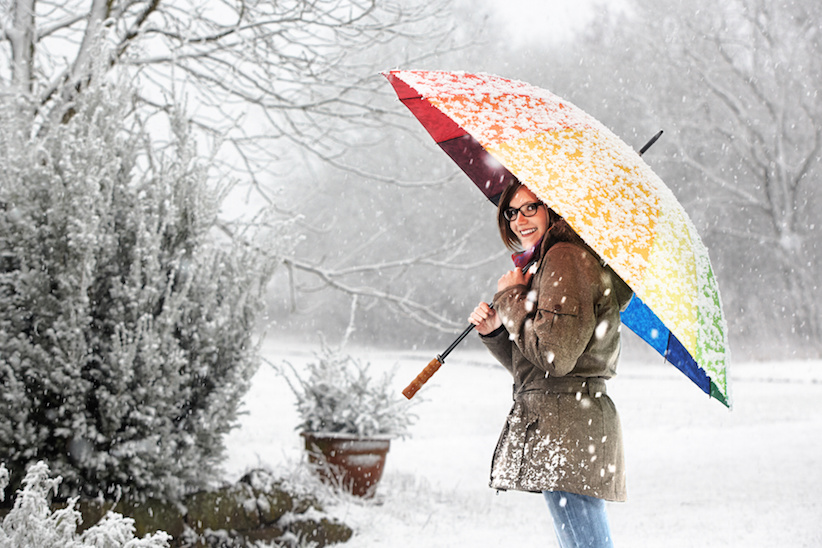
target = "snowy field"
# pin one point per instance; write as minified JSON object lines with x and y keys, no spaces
{"x":698,"y":475}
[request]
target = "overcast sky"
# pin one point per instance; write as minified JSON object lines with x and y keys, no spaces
{"x":545,"y":18}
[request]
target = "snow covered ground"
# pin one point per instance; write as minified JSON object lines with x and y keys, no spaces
{"x":698,"y":474}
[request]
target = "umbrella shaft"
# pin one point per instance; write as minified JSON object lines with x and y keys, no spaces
{"x":456,"y":342}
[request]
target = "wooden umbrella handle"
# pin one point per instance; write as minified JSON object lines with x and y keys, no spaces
{"x":422,"y":378}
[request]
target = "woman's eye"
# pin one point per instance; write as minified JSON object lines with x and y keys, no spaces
{"x":530,"y":208}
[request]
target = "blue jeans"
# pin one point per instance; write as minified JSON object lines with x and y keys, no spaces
{"x":580,"y":521}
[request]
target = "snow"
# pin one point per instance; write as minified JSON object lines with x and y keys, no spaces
{"x":698,"y":474}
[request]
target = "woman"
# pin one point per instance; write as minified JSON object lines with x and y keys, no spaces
{"x":556,"y":329}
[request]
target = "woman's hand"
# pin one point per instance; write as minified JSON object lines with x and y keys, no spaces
{"x":485,"y":318}
{"x":514,"y":277}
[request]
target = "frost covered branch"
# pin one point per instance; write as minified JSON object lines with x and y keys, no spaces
{"x":334,"y":277}
{"x":308,"y":68}
{"x":32,"y":523}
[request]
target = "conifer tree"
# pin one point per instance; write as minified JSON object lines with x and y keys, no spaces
{"x":126,"y":323}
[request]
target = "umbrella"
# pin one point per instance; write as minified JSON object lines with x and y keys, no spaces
{"x":498,"y":129}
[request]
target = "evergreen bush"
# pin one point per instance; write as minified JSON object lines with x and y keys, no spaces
{"x":126,"y":324}
{"x":336,"y":394}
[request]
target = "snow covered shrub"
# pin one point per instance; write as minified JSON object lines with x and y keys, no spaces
{"x":126,"y":324}
{"x":337,"y":394}
{"x":32,"y":524}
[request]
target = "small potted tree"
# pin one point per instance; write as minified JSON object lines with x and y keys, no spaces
{"x":348,"y":419}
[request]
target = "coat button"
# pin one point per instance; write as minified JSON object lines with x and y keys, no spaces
{"x":557,"y":307}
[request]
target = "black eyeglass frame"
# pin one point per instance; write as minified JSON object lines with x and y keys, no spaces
{"x":510,"y":213}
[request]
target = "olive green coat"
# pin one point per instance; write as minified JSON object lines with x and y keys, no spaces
{"x":560,"y":340}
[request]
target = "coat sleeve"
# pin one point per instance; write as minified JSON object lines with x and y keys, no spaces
{"x":499,"y":344}
{"x":553,"y":323}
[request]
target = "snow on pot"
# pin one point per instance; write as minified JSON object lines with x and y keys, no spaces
{"x":348,"y":418}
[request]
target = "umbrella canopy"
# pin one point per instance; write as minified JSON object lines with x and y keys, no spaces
{"x":498,"y":130}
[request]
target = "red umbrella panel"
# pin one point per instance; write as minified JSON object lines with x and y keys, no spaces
{"x":490,"y":176}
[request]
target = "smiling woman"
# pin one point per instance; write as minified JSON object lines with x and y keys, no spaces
{"x":555,"y":328}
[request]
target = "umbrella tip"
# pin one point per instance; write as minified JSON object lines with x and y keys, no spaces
{"x":651,"y":142}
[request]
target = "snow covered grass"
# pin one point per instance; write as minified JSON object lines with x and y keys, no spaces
{"x":698,"y":474}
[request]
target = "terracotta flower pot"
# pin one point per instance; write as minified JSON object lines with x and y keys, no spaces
{"x":348,"y":461}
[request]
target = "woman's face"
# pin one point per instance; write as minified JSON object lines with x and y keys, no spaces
{"x":529,"y":230}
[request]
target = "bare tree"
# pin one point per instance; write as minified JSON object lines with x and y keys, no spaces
{"x":260,"y":75}
{"x":735,"y":87}
{"x":267,"y":84}
{"x":741,"y":82}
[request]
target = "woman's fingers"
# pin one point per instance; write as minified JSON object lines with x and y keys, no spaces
{"x":485,"y":319}
{"x":480,"y":313}
{"x":518,"y":277}
{"x":512,"y":278}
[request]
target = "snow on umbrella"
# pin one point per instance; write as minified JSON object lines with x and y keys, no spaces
{"x":498,"y":130}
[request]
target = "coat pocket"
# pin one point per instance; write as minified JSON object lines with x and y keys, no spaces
{"x":554,"y":306}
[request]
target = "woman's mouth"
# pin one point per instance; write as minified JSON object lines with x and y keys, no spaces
{"x":527,"y":231}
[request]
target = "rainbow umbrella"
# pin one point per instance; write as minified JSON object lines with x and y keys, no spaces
{"x":498,"y":129}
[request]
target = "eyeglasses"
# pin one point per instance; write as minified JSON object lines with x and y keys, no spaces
{"x":528,"y":210}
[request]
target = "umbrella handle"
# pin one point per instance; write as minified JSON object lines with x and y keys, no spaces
{"x":422,"y":378}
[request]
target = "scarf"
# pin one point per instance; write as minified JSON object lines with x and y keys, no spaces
{"x":523,"y":258}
